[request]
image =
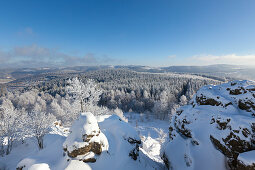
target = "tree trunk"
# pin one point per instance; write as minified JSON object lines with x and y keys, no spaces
{"x":8,"y":149}
{"x":40,"y":141}
{"x":2,"y":150}
{"x":82,"y":110}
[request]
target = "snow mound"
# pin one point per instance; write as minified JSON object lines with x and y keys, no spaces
{"x":74,"y":164}
{"x":42,"y":166}
{"x":85,"y":140}
{"x":124,"y":147}
{"x":124,"y":144}
{"x":29,"y":164}
{"x":217,"y":126}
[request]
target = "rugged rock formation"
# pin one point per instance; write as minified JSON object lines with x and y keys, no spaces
{"x":134,"y":153}
{"x":214,"y":129}
{"x":245,"y":161}
{"x":85,"y":140}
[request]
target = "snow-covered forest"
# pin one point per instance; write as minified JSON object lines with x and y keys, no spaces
{"x":127,"y":85}
{"x":30,"y":112}
{"x":95,"y":115}
{"x":128,"y":90}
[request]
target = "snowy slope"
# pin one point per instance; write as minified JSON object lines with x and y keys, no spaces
{"x":213,"y":129}
{"x":122,"y":138}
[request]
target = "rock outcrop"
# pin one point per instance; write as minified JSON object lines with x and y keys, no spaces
{"x":85,"y":141}
{"x":214,"y":129}
{"x":245,"y":161}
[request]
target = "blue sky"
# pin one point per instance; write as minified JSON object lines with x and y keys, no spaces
{"x":139,"y":32}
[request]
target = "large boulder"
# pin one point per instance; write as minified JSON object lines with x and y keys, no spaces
{"x":214,"y":129}
{"x":85,"y":141}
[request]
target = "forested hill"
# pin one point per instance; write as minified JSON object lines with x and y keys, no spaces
{"x":127,"y":90}
{"x":140,"y":90}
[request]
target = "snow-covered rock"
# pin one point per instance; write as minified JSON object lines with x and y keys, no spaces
{"x":42,"y":166}
{"x":85,"y":140}
{"x":123,"y":152}
{"x":29,"y":164}
{"x":246,"y":160}
{"x":216,"y":127}
{"x":126,"y":135}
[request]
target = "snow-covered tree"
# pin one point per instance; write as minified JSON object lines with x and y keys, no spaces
{"x":39,"y":125}
{"x":87,"y":94}
{"x":119,"y":113}
{"x":12,"y":124}
{"x":183,"y":100}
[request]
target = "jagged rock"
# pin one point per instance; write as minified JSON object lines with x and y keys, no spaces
{"x":21,"y":167}
{"x":134,"y":153}
{"x":222,"y":119}
{"x":246,"y":105}
{"x":202,"y":100}
{"x":92,"y":147}
{"x":222,"y":125}
{"x":91,"y":160}
{"x":246,"y":161}
{"x":235,"y":91}
{"x":181,"y":129}
{"x":165,"y":160}
{"x":85,"y":140}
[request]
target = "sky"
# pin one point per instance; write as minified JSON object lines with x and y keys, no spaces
{"x":49,"y":33}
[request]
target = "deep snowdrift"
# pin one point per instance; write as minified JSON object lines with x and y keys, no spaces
{"x":213,"y":129}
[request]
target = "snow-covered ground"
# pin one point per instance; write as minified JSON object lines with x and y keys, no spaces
{"x":151,"y":131}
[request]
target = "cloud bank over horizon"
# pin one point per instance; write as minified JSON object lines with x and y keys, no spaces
{"x":231,"y":59}
{"x":37,"y":56}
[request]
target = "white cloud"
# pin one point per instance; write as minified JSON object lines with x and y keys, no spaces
{"x":36,"y":56}
{"x":223,"y":59}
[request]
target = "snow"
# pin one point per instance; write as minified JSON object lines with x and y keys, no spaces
{"x":116,"y":156}
{"x":86,"y":124}
{"x":152,"y":147}
{"x":247,"y":158}
{"x":75,"y":164}
{"x":197,"y":151}
{"x":153,"y":133}
{"x":42,"y":166}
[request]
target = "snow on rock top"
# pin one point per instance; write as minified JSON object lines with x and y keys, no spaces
{"x":29,"y":164}
{"x":85,"y":139}
{"x":41,"y":166}
{"x":247,"y":158}
{"x":218,"y":124}
{"x":123,"y":152}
